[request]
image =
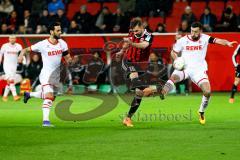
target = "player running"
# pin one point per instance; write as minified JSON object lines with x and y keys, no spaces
{"x":52,"y":50}
{"x":194,"y":48}
{"x":235,"y":59}
{"x":9,"y":55}
{"x":136,"y":48}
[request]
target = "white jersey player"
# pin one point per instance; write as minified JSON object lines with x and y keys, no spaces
{"x":52,"y":50}
{"x":9,"y":55}
{"x":193,"y":48}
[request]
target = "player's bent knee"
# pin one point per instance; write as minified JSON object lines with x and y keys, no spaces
{"x":139,"y":92}
{"x":50,"y":97}
{"x":237,"y":81}
{"x":207,"y":93}
{"x":175,"y":78}
{"x":148,"y":92}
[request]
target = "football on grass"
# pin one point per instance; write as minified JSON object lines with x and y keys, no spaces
{"x":179,"y":63}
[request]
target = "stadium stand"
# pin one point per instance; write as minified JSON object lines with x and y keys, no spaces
{"x":217,"y":8}
{"x":171,"y":19}
{"x":198,"y":8}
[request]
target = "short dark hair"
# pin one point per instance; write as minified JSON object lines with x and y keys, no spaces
{"x":228,"y":10}
{"x":135,"y":22}
{"x":197,"y":24}
{"x":52,"y":26}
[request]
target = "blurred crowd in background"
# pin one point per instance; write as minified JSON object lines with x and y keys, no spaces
{"x":93,"y":73}
{"x":33,"y":17}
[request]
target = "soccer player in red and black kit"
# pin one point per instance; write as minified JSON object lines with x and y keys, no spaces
{"x":136,"y":48}
{"x":236,"y":61}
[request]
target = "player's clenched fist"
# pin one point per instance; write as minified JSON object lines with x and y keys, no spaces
{"x":230,"y":44}
{"x":127,"y":40}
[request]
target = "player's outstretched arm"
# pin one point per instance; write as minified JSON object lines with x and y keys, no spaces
{"x":174,"y":55}
{"x":23,"y":52}
{"x":141,"y":45}
{"x":225,"y":42}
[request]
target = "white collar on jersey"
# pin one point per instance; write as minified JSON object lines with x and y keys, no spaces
{"x":52,"y":43}
{"x":190,"y":38}
{"x":142,"y":34}
{"x":12,"y":45}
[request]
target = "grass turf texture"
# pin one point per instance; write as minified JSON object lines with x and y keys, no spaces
{"x":22,"y":137}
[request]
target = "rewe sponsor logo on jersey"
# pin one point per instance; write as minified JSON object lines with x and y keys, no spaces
{"x":11,"y":52}
{"x":194,"y":48}
{"x":54,"y":53}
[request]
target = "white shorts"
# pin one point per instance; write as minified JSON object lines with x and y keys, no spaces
{"x":17,"y":78}
{"x":10,"y":72}
{"x":198,"y":76}
{"x":49,"y":81}
{"x":52,"y":78}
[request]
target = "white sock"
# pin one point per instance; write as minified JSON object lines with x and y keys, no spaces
{"x":169,"y":86}
{"x":36,"y":94}
{"x":13,"y":89}
{"x":47,"y":103}
{"x":6,"y":91}
{"x":204,"y":103}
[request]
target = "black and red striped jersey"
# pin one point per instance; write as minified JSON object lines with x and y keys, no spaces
{"x":134,"y":54}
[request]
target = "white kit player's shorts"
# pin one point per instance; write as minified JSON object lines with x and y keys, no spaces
{"x":198,"y":76}
{"x":10,"y":71}
{"x":17,"y":78}
{"x":49,"y":81}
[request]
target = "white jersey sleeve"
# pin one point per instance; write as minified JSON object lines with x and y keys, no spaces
{"x":19,"y":47}
{"x":63,"y":45}
{"x":2,"y":49}
{"x":178,"y":46}
{"x":205,"y":38}
{"x":208,"y":38}
{"x":36,"y":47}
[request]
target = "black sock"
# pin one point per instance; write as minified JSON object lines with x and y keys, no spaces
{"x":234,"y":90}
{"x":134,"y":106}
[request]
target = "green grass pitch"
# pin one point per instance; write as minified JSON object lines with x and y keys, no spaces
{"x":181,"y":138}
